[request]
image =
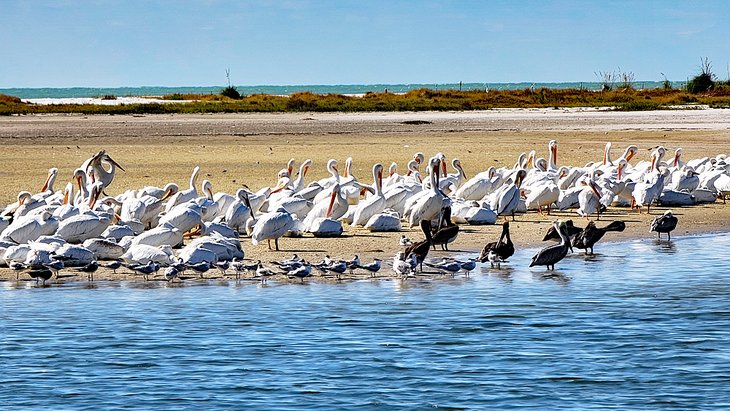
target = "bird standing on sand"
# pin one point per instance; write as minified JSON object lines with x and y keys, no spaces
{"x":665,"y":223}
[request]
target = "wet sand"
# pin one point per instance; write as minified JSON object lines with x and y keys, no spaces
{"x":236,"y":149}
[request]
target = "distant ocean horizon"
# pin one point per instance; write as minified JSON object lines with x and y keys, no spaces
{"x":90,"y":92}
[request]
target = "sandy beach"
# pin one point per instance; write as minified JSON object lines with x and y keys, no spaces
{"x":249,"y":149}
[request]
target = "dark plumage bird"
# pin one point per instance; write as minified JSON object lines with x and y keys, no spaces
{"x":55,"y":266}
{"x":502,"y":248}
{"x":373,"y":267}
{"x":114,"y":266}
{"x":17,"y":267}
{"x":446,"y":232}
{"x":592,"y":234}
{"x":89,"y":269}
{"x":420,"y":248}
{"x":200,"y":268}
{"x":664,"y":224}
{"x":302,"y":272}
{"x":552,"y":233}
{"x":40,"y":274}
{"x":145,"y":269}
{"x":552,"y":254}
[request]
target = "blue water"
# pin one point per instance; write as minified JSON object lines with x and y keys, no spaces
{"x":78,"y":92}
{"x":642,"y":325}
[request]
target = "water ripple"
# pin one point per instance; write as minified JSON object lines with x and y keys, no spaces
{"x":641,"y":326}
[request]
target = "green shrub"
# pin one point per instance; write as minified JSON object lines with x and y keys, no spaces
{"x":231,"y":92}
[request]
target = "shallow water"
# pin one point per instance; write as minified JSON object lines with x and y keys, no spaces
{"x":642,"y":325}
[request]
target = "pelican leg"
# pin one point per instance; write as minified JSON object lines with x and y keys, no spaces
{"x":269,"y":242}
{"x":276,"y":243}
{"x":669,"y":236}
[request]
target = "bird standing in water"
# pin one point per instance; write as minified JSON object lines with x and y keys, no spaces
{"x":592,"y":234}
{"x":665,"y":223}
{"x":501,"y":250}
{"x":552,"y":254}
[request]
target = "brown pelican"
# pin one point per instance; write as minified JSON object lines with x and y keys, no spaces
{"x":552,"y":254}
{"x":502,"y":248}
{"x":664,"y":224}
{"x":592,"y":234}
{"x":552,"y":233}
{"x":446,"y":232}
{"x":420,"y":249}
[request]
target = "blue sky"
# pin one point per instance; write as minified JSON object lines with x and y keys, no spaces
{"x":100,"y":43}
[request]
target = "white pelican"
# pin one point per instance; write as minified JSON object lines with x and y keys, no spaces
{"x":26,"y":204}
{"x":29,"y":228}
{"x":226,"y":249}
{"x":74,"y":255}
{"x":388,"y":220}
{"x":143,"y":254}
{"x":686,"y":179}
{"x":332,"y":208}
{"x":298,"y":184}
{"x":97,"y":171}
{"x":429,"y":205}
{"x":373,"y":204}
{"x":117,"y":232}
{"x":271,"y":226}
{"x":553,"y":157}
{"x":184,"y":216}
{"x":507,"y":198}
{"x":162,"y":234}
{"x":4,"y":223}
{"x":239,"y":212}
{"x":329,"y":181}
{"x":325,"y":227}
{"x":589,"y":200}
{"x":646,"y":192}
{"x":542,"y":194}
{"x":82,"y":227}
{"x":47,"y":190}
{"x":479,"y":186}
{"x":160,"y":193}
{"x":197,"y":255}
{"x":185,"y":195}
{"x":452,"y":182}
{"x":104,"y":249}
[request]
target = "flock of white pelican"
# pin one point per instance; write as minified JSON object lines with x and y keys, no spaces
{"x":197,"y":229}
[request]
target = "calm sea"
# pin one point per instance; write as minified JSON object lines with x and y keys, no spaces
{"x":641,"y":325}
{"x":78,"y":92}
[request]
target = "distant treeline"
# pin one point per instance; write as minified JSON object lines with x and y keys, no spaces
{"x":416,"y":100}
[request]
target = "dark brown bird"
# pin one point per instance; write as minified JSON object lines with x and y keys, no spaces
{"x":446,"y":232}
{"x":552,"y":254}
{"x":664,"y":224}
{"x":552,"y":233}
{"x":503,"y":248}
{"x":420,"y":249}
{"x":592,"y":234}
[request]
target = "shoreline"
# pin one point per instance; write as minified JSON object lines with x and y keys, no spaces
{"x":236,"y":149}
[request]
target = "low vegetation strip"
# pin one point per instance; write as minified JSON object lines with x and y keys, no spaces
{"x":415,"y":100}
